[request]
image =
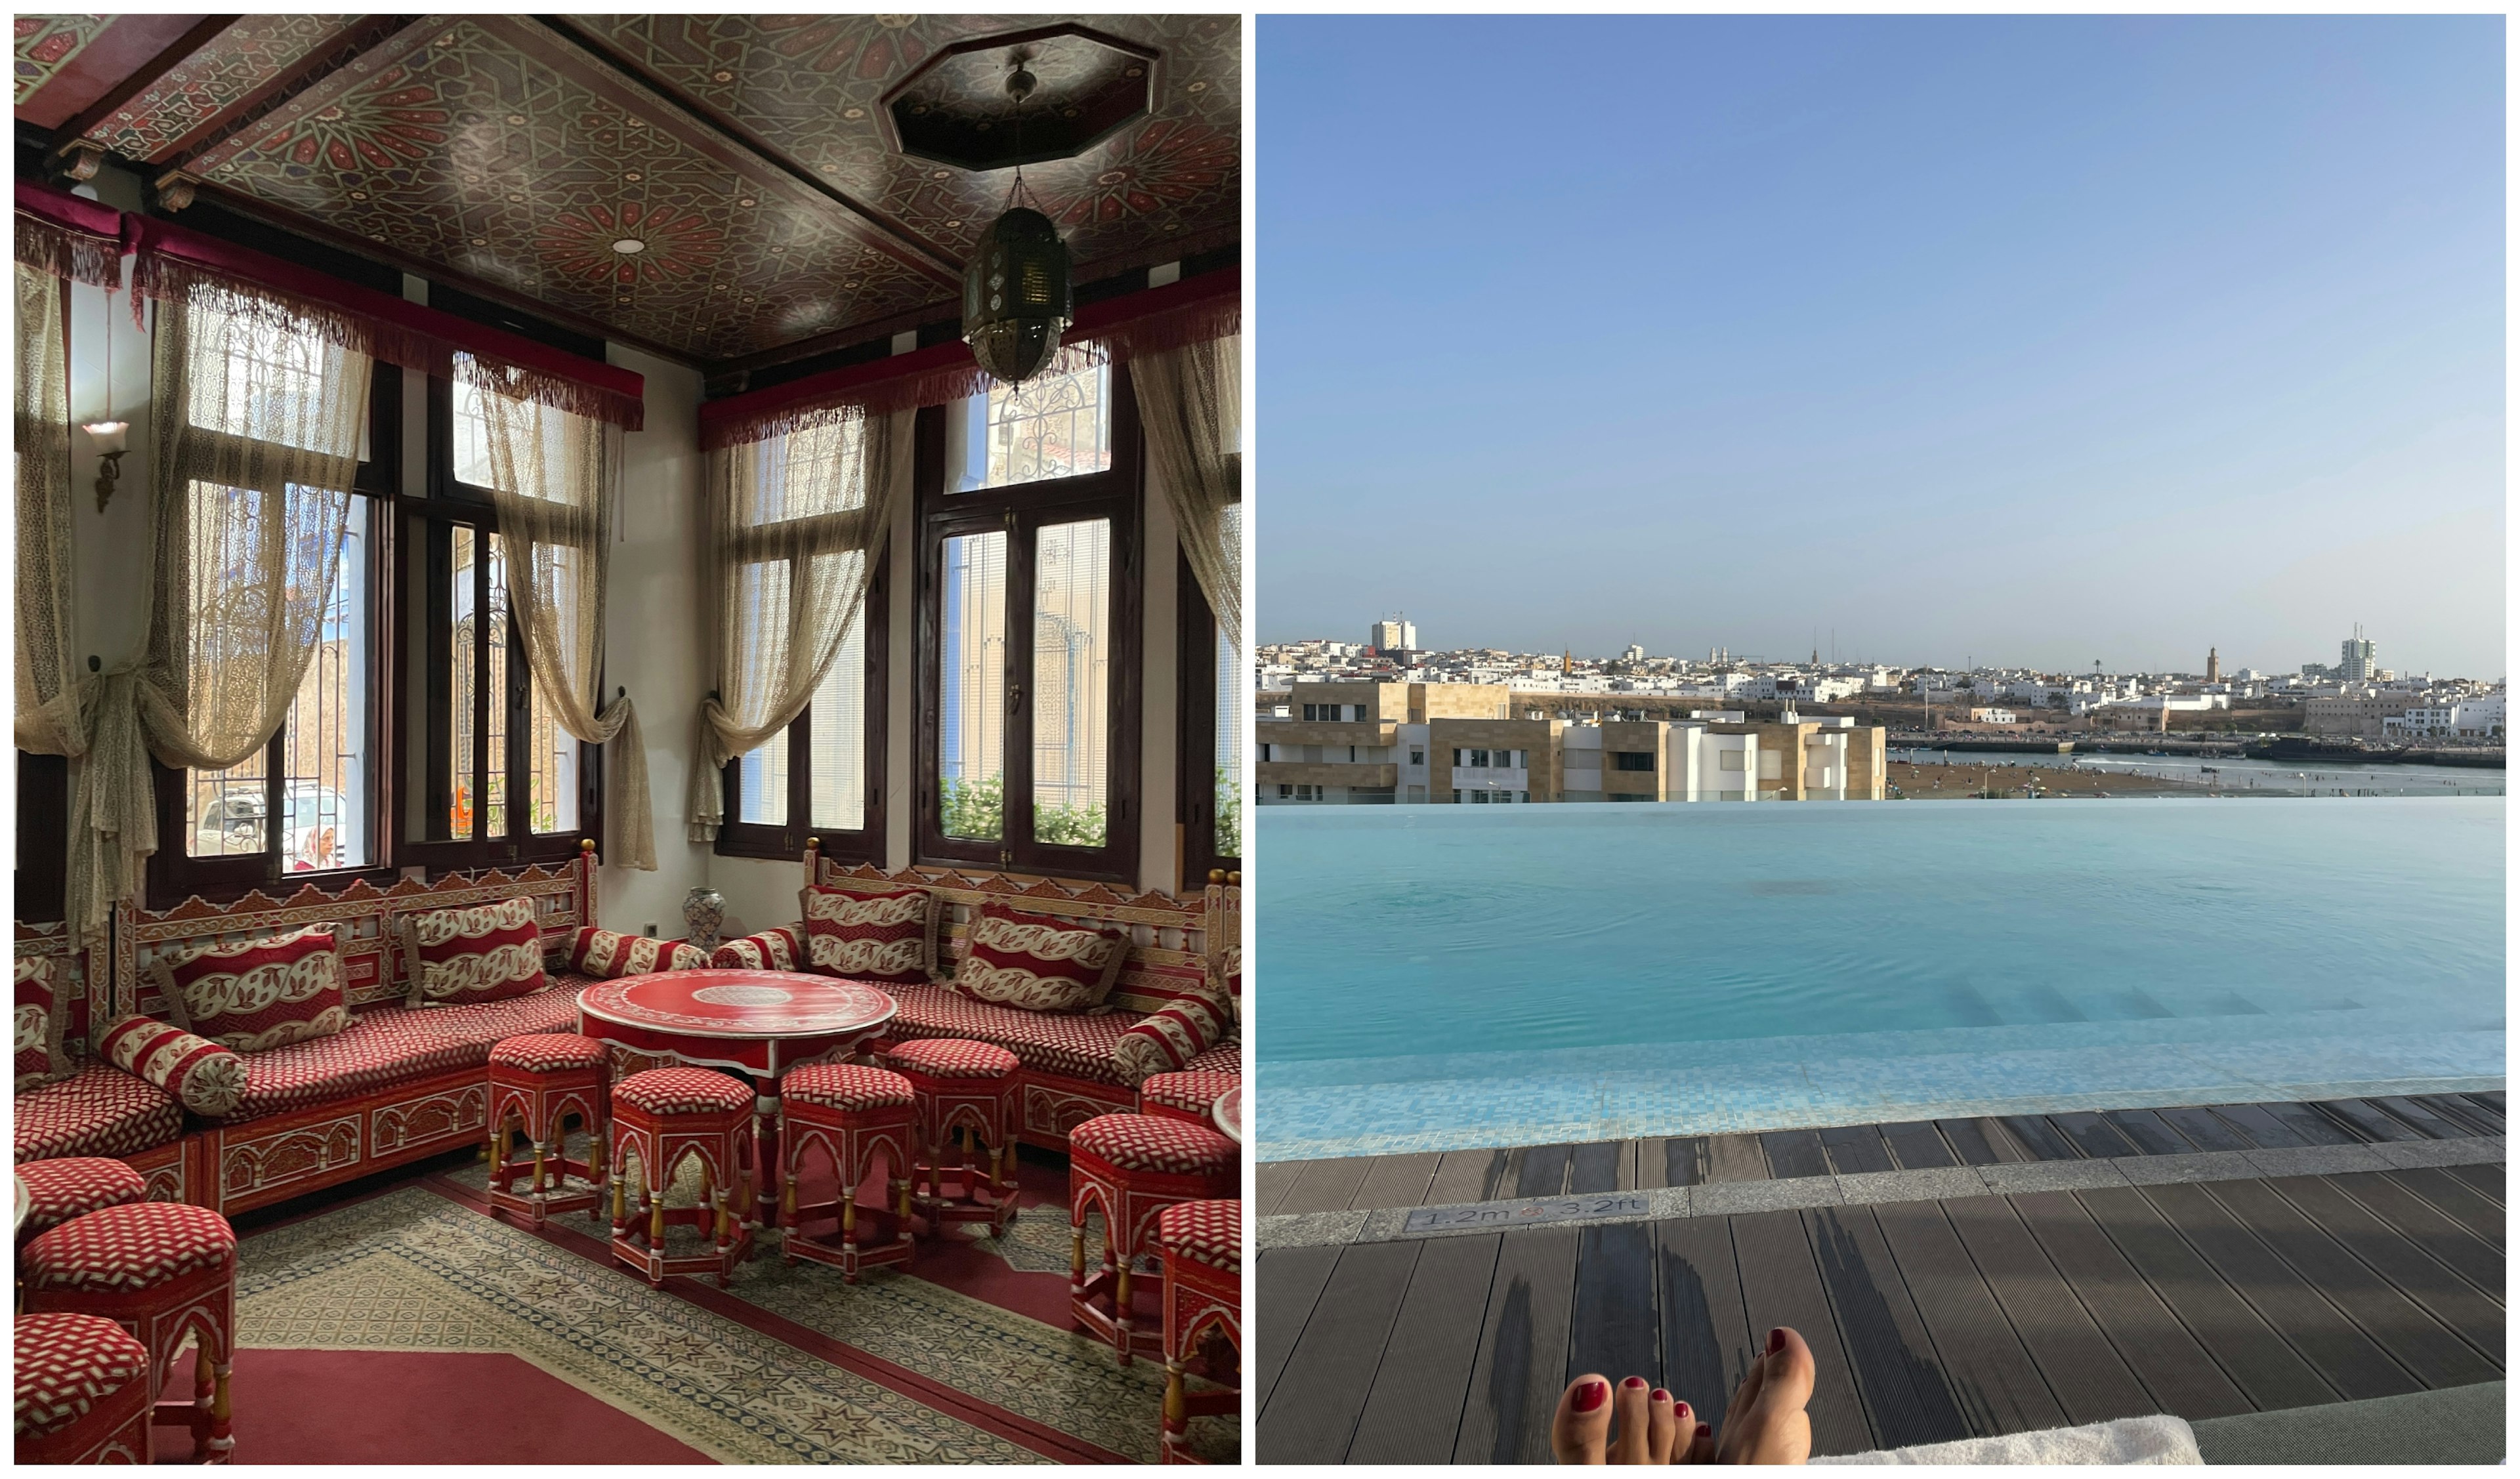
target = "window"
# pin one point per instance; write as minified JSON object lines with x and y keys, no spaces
{"x":307,"y":802}
{"x":1209,"y":805}
{"x":1633,"y":760}
{"x":1028,"y":646}
{"x":823,"y":776}
{"x":1417,"y":757}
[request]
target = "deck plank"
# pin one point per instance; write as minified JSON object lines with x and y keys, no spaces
{"x":2200,"y":1129}
{"x":2041,"y":1139}
{"x":2368,"y":1120}
{"x":1686,"y":1161}
{"x":1413,"y":1412}
{"x":1793,"y":1152}
{"x":2260,"y":1125}
{"x":1288,"y":1283}
{"x":1618,"y":1324}
{"x":1854,"y":1149}
{"x":2442,"y":1294}
{"x":2094,"y":1135}
{"x":1918,"y":1145}
{"x":1707,"y":1344}
{"x":1595,"y":1167}
{"x":1519,"y":1377}
{"x":1780,"y":1286}
{"x":1466,"y":1176}
{"x":2473,"y":1117}
{"x":1312,"y":1412}
{"x":1397,"y":1180}
{"x":2351,"y":1361}
{"x":1896,"y":1369}
{"x":2181,"y":1376}
{"x":1968,"y":1137}
{"x":2265,"y":1367}
{"x":1327,"y":1185}
{"x":1993,"y":1381}
{"x":2428,"y":1227}
{"x":2489,"y":1180}
{"x":1736,"y":1158}
{"x":2084,"y":1372}
{"x":2460,"y":1202}
{"x":1269,"y":1182}
{"x":2314,"y":1128}
{"x":2424,"y":1117}
{"x":1543,"y":1171}
{"x":2147,"y":1131}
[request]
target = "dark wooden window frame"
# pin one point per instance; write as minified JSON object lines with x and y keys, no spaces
{"x":1022,"y":510}
{"x":1194,"y":805}
{"x":865,"y":844}
{"x":173,"y":873}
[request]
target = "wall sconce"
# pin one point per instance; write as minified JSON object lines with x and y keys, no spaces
{"x":108,"y":436}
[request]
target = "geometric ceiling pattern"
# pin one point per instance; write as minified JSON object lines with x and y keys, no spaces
{"x":727,"y":190}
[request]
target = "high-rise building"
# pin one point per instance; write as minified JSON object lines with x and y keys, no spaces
{"x":2213,"y":665}
{"x":1395,"y":633}
{"x":2359,"y":664}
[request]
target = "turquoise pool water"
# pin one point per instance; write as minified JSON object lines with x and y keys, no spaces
{"x":1445,"y":977}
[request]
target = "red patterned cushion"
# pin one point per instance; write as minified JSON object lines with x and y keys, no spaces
{"x":845,"y":1086}
{"x":1152,"y":1142}
{"x":1197,"y":1092}
{"x":202,"y":1076}
{"x":953,"y":1057}
{"x":547,"y":1053}
{"x":43,"y":1022}
{"x":871,"y":935}
{"x":605,"y":954}
{"x":473,"y":955}
{"x":1224,"y":1058}
{"x":1209,"y":1232}
{"x":257,"y":993}
{"x":770,"y":949}
{"x":1038,"y":963}
{"x":1070,"y":1043}
{"x":102,"y":1110}
{"x":395,"y":1045}
{"x":130,"y":1248}
{"x":682,"y":1090}
{"x":68,"y":1363}
{"x":58,"y":1191}
{"x":1167,"y":1039}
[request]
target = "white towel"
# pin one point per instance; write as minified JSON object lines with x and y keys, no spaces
{"x":2127,"y":1440}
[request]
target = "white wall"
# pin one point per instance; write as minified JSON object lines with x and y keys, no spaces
{"x":112,"y":551}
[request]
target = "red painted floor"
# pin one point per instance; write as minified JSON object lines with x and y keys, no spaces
{"x":423,"y":1407}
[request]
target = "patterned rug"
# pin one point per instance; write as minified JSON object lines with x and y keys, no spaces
{"x":908,"y":1370}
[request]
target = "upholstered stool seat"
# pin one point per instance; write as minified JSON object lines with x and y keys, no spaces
{"x":58,"y":1191}
{"x":849,"y":1111}
{"x":82,"y":1391}
{"x":539,"y":1081}
{"x":1200,"y":1243}
{"x":1191,"y":1095}
{"x":667,"y":1117}
{"x":964,"y":1094}
{"x":163,"y":1271}
{"x":1133,"y":1166}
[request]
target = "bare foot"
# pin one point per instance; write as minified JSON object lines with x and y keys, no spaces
{"x":1628,"y":1424}
{"x":1767,"y":1422}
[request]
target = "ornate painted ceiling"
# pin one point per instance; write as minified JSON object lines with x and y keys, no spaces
{"x":728,"y":190}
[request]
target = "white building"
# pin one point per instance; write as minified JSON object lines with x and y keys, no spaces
{"x":1394,"y":633}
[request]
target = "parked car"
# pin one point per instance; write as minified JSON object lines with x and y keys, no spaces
{"x":318,"y":830}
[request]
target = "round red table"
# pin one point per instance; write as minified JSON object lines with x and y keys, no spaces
{"x":1228,"y":1112}
{"x":754,"y":1024}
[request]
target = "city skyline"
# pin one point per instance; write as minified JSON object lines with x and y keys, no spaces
{"x":2204,"y":337}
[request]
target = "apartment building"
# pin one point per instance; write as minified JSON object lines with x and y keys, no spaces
{"x":2360,"y":716}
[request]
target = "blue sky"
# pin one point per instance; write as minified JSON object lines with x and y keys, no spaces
{"x":2037,"y":341}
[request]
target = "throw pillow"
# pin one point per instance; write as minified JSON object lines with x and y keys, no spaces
{"x":1040,"y":963}
{"x":204,"y":1076}
{"x":608,"y":953}
{"x":485,"y":953}
{"x":1188,"y":1026}
{"x":43,"y":1023}
{"x":257,"y":993}
{"x":770,"y":949}
{"x":871,"y":935}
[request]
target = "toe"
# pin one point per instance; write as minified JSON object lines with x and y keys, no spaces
{"x":1631,"y":1406}
{"x":1791,"y":1370}
{"x":1702,"y":1447}
{"x":1663,"y":1419}
{"x":1581,"y":1431}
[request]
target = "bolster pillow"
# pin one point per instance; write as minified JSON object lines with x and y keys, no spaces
{"x":202,"y":1076}
{"x":1185,"y":1028}
{"x":770,"y":949}
{"x":608,"y":953}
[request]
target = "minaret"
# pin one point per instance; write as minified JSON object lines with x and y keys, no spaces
{"x":2213,"y":665}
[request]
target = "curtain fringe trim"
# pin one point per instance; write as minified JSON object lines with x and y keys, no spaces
{"x":69,"y":253}
{"x":909,"y":392}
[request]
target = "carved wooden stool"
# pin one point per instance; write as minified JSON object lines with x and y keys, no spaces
{"x":58,"y":1191}
{"x":664,"y":1115}
{"x":852,"y":1111}
{"x":82,"y":1391}
{"x":969,"y":1088}
{"x":1190,"y":1095}
{"x":162,"y":1270}
{"x":537,"y":1081}
{"x":1200,"y":1243}
{"x":1133,"y":1166}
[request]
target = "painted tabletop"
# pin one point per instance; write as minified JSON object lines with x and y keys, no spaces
{"x":738,"y":1003}
{"x":1228,"y":1113}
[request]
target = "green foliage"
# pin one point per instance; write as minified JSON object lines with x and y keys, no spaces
{"x":975,"y":808}
{"x":1069,"y":825}
{"x":1229,"y":814}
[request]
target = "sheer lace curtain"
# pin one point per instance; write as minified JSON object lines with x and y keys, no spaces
{"x":1190,"y":402}
{"x":795,"y":522}
{"x":52,"y":689}
{"x":257,"y":418}
{"x":555,"y":478}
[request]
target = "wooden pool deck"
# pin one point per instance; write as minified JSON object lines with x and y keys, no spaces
{"x":1933,"y":1316}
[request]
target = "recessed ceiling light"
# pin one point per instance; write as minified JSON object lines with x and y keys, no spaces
{"x":518,"y":119}
{"x":634,"y":177}
{"x":722,"y":75}
{"x":957,"y":222}
{"x":629,"y":245}
{"x":852,"y":112}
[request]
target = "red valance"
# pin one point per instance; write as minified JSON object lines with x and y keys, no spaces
{"x":68,"y":235}
{"x":1191,"y":311}
{"x":170,"y":259}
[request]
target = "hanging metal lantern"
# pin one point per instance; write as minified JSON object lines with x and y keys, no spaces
{"x":1015,"y":297}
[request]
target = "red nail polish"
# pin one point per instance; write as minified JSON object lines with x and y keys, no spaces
{"x":1703,"y":1430}
{"x":1633,"y":1382}
{"x":1590,"y":1394}
{"x":1659,"y":1395}
{"x":1775,"y":1341}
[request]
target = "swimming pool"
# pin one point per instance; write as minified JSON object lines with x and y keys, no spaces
{"x":1439,"y":977}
